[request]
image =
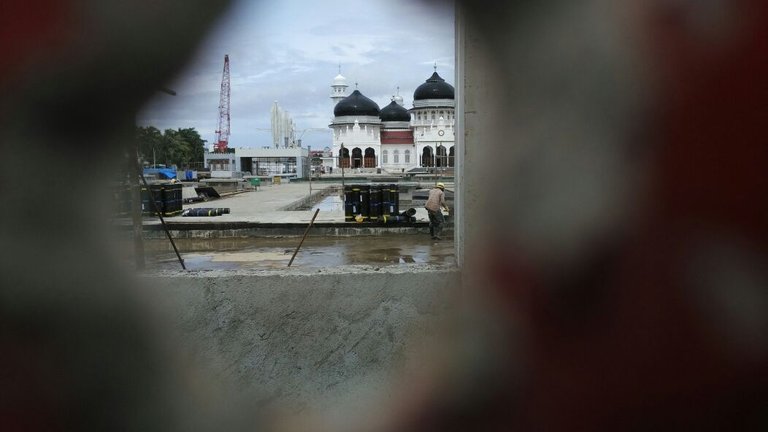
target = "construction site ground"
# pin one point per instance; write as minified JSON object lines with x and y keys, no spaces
{"x":261,"y":231}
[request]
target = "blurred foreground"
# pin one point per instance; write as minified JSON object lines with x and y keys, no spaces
{"x":611,"y":217}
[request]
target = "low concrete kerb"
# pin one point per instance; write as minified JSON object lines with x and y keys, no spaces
{"x":258,"y":229}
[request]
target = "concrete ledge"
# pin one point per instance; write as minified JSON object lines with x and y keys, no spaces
{"x":287,"y":231}
{"x":297,"y":337}
{"x":153,"y":229}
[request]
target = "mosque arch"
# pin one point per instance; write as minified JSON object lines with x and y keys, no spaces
{"x":442,"y":157}
{"x":344,"y":157}
{"x":369,"y":159}
{"x":451,"y":157}
{"x":357,"y":158}
{"x":427,"y":157}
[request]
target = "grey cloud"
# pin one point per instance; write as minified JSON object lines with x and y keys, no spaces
{"x":395,"y":46}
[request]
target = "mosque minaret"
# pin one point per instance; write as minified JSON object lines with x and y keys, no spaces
{"x":339,"y":88}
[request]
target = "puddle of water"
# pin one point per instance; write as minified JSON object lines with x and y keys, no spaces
{"x":250,"y":256}
{"x":319,"y":252}
{"x":330,"y":203}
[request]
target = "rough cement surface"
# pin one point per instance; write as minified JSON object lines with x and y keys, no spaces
{"x":299,"y":338}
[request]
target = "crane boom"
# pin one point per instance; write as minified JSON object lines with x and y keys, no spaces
{"x":222,"y":131}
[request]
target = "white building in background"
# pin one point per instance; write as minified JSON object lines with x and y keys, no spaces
{"x":271,"y":162}
{"x":283,"y":130}
{"x":292,"y":162}
{"x":394,"y":138}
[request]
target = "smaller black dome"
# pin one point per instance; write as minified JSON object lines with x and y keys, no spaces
{"x":394,"y":112}
{"x":356,"y":105}
{"x":434,"y":88}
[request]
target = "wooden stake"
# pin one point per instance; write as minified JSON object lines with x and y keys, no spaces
{"x":305,"y":236}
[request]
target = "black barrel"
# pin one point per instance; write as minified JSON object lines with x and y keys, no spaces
{"x":387,"y":219}
{"x":365,"y":202}
{"x":386,"y":200}
{"x":355,"y":201}
{"x":205,"y":212}
{"x":375,"y":206}
{"x":348,"y":204}
{"x":394,"y":196}
{"x":172,"y":199}
{"x":156,"y":192}
{"x":408,"y":215}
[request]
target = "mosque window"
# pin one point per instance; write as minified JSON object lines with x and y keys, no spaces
{"x":407,"y":156}
{"x":396,"y":156}
{"x":384,"y":156}
{"x":433,"y":115}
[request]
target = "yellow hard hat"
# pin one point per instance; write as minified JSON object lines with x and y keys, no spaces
{"x":440,"y":185}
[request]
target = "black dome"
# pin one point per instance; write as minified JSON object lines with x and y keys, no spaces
{"x":356,"y":105}
{"x":394,"y":112}
{"x":434,"y":88}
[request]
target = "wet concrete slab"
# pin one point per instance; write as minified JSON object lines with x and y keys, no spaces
{"x":316,"y":252}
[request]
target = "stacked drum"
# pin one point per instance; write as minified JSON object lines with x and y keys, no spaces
{"x":374,"y":203}
{"x":167,"y":198}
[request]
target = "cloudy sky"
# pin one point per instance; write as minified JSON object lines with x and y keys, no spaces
{"x":290,"y":51}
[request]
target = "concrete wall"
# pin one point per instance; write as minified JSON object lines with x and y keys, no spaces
{"x":298,"y":338}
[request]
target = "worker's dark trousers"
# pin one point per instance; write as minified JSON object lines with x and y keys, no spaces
{"x":435,"y":223}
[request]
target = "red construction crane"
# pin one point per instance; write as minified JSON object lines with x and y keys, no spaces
{"x":222,"y":132}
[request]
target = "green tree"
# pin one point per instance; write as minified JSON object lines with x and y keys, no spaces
{"x":196,"y":145}
{"x":180,"y":147}
{"x":150,"y":143}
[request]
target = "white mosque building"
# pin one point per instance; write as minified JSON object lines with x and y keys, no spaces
{"x":394,"y":138}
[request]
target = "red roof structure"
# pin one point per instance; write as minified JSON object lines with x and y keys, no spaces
{"x":397,"y":137}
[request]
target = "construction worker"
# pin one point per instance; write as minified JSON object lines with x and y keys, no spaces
{"x":435,"y":204}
